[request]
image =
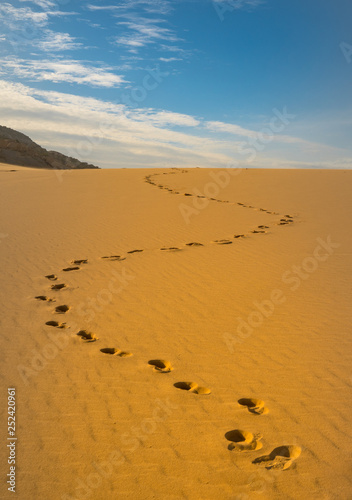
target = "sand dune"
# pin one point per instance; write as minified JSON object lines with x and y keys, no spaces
{"x":178,"y":334}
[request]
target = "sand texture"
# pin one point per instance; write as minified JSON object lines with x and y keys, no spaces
{"x":177,"y":334}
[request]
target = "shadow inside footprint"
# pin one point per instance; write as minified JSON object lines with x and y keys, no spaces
{"x":172,"y":249}
{"x":223,"y":242}
{"x":135,"y":251}
{"x":253,"y":405}
{"x":243,"y":440}
{"x":239,"y":236}
{"x":76,"y":268}
{"x":87,"y":336}
{"x":161,"y":365}
{"x":116,"y":352}
{"x":194,"y":244}
{"x":58,"y":287}
{"x":192,"y":387}
{"x":281,"y":458}
{"x":51,"y":277}
{"x":80,"y":261}
{"x":62,"y":309}
{"x":44,"y":298}
{"x":114,"y":257}
{"x":256,"y":231}
{"x":56,"y":324}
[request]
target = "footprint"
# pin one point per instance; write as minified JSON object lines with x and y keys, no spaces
{"x":114,"y":257}
{"x":75,"y":268}
{"x":281,"y":458}
{"x":263,"y":227}
{"x":87,"y":336}
{"x":243,"y":440}
{"x":135,"y":251}
{"x":188,"y":194}
{"x":161,"y":365}
{"x":194,"y":244}
{"x":45,"y":298}
{"x":192,"y":387}
{"x":223,"y":242}
{"x":58,"y":287}
{"x":80,"y":261}
{"x":171,"y":248}
{"x":253,"y":405}
{"x":51,"y":277}
{"x":56,"y":324}
{"x":62,"y":309}
{"x":258,"y":231}
{"x":239,"y":236}
{"x":116,"y":352}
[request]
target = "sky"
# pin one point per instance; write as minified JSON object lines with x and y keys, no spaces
{"x":193,"y":83}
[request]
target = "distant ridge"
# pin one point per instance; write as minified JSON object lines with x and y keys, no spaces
{"x":18,"y":149}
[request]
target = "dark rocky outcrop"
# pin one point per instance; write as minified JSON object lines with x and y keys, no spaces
{"x":18,"y":149}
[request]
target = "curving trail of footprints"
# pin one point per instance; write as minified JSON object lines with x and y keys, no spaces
{"x":282,"y":457}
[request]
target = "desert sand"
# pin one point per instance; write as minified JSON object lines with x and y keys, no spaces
{"x":201,"y":345}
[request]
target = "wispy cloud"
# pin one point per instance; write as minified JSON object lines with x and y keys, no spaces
{"x":144,"y":31}
{"x":141,"y":23}
{"x":239,"y":4}
{"x":52,"y":41}
{"x":44,"y":4}
{"x":169,"y":59}
{"x":13,"y":17}
{"x":166,"y":118}
{"x":239,"y":131}
{"x":151,"y":6}
{"x":58,"y":71}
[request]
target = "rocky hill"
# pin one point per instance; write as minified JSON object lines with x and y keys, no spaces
{"x":18,"y":149}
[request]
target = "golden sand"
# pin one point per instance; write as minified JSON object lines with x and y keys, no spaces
{"x":177,"y":334}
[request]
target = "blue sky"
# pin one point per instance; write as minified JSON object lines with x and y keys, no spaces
{"x":263,"y":83}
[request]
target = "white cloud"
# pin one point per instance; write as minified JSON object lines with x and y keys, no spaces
{"x":230,"y":128}
{"x":150,"y":6}
{"x":69,"y":71}
{"x":14,"y":17}
{"x":10,"y":15}
{"x":138,"y":24}
{"x":113,"y":130}
{"x":144,"y":31}
{"x":167,"y":118}
{"x":44,"y":4}
{"x":237,"y":130}
{"x":110,"y":134}
{"x":56,"y":42}
{"x":239,"y":4}
{"x":169,"y":59}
